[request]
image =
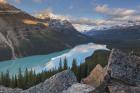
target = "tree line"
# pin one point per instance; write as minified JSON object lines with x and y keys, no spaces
{"x":29,"y":78}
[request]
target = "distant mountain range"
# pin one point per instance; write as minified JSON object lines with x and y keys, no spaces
{"x":128,"y":36}
{"x":24,"y":35}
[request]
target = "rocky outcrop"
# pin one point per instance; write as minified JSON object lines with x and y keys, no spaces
{"x":124,"y":67}
{"x":79,"y":88}
{"x":9,"y":90}
{"x":96,"y":76}
{"x":123,"y":74}
{"x":118,"y":87}
{"x":56,"y":84}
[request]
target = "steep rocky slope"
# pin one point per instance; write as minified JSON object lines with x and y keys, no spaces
{"x":23,"y":35}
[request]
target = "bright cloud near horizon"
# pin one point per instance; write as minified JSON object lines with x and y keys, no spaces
{"x":84,"y":13}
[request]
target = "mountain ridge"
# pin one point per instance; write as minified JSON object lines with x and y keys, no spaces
{"x":24,"y":35}
{"x":119,"y":36}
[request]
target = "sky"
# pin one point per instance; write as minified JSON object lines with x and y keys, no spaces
{"x":84,"y":12}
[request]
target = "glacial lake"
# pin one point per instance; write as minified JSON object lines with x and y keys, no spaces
{"x":47,"y":62}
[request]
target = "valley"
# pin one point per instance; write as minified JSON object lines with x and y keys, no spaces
{"x":40,"y":63}
{"x":48,"y":46}
{"x":25,"y":35}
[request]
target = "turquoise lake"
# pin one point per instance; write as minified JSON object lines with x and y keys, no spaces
{"x":49,"y":61}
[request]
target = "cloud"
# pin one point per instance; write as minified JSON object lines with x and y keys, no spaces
{"x":3,"y":1}
{"x":19,"y":1}
{"x":95,"y":22}
{"x":118,"y":12}
{"x":83,"y":21}
{"x":114,"y":16}
{"x":48,"y":13}
{"x":118,"y":16}
{"x":102,"y":8}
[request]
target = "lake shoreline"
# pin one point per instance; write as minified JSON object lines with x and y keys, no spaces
{"x":47,"y":62}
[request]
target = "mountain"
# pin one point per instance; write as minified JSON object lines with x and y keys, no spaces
{"x":24,"y":35}
{"x":117,"y":36}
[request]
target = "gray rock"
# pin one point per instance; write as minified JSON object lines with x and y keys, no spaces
{"x":124,"y":67}
{"x":117,"y":87}
{"x":56,"y":84}
{"x":9,"y":90}
{"x":79,"y":88}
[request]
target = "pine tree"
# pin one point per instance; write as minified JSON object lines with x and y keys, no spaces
{"x":20,"y":79}
{"x":86,"y":69}
{"x":12,"y":83}
{"x":74,"y":66}
{"x":31,"y":82}
{"x":65,"y":64}
{"x":7,"y":79}
{"x":26,"y":75}
{"x":79,"y":73}
{"x":16,"y":82}
{"x":2,"y":78}
{"x":60,"y":65}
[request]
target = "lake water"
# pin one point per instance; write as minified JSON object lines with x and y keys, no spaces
{"x":47,"y":62}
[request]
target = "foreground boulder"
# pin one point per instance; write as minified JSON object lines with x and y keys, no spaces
{"x":56,"y":84}
{"x":9,"y":90}
{"x":124,"y":67}
{"x":123,"y":74}
{"x":79,"y":88}
{"x":118,"y":87}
